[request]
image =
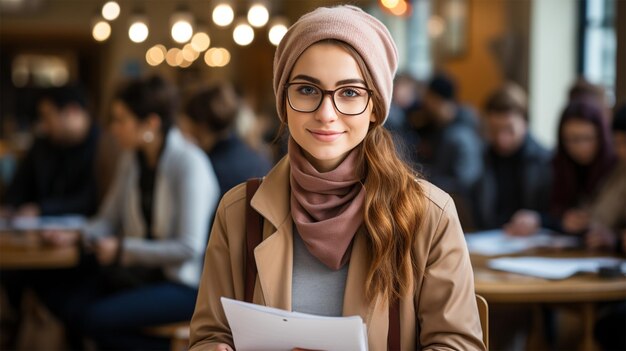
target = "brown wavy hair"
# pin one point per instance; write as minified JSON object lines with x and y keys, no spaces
{"x":393,"y":202}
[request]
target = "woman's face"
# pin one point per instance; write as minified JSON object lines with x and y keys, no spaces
{"x":125,"y":126}
{"x":580,"y":140}
{"x":326,"y":135}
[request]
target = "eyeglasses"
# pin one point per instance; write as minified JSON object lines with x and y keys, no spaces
{"x":348,"y":100}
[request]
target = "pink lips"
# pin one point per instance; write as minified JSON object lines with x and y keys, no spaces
{"x":325,"y":135}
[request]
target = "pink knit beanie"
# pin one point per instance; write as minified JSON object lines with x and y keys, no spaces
{"x":367,"y":35}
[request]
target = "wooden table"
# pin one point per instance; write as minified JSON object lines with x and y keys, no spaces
{"x":580,"y":291}
{"x":25,"y":250}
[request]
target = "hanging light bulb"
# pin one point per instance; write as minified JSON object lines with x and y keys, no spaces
{"x":156,"y":55}
{"x":101,"y":30}
{"x":223,"y":15}
{"x":243,"y":34}
{"x":200,"y":41}
{"x":111,"y":10}
{"x":182,"y":25}
{"x":138,"y":30}
{"x":258,"y":15}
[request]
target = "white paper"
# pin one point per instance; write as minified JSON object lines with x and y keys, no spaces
{"x":497,"y":242}
{"x":256,"y":327}
{"x":68,"y":222}
{"x":552,"y":268}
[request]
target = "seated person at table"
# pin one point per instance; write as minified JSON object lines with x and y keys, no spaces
{"x":57,"y":175}
{"x":152,"y":226}
{"x":516,"y":179}
{"x":209,"y":120}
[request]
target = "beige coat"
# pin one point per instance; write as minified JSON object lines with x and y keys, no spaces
{"x":442,"y":309}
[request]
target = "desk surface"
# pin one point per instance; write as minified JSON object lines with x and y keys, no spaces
{"x":497,"y":286}
{"x":24,"y":250}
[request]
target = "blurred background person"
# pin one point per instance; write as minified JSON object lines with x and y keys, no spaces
{"x":151,"y":231}
{"x":209,"y":119}
{"x":406,"y":99}
{"x":57,"y":176}
{"x":515,"y":186}
{"x":447,"y":147}
{"x":583,"y":160}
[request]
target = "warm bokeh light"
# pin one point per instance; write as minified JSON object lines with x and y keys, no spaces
{"x":258,"y":15}
{"x":156,"y":55}
{"x":174,"y":57}
{"x":400,"y":9}
{"x":200,"y":41}
{"x":182,"y":31}
{"x":436,"y":26}
{"x":276,"y":33}
{"x":189,"y":53}
{"x":111,"y":10}
{"x":185,"y":63}
{"x":223,"y":15}
{"x":101,"y":31}
{"x":390,"y":3}
{"x":243,"y":34}
{"x":217,"y":57}
{"x":138,"y":31}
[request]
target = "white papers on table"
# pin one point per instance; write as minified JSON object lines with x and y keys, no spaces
{"x":497,"y":242}
{"x":68,"y":222}
{"x":553,"y":268}
{"x":256,"y":327}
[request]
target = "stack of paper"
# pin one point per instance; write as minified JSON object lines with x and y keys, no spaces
{"x":497,"y":242}
{"x":257,"y":327}
{"x":553,"y":268}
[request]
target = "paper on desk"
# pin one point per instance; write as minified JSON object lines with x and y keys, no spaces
{"x":256,"y":327}
{"x":552,"y":268}
{"x":497,"y":242}
{"x":67,"y":222}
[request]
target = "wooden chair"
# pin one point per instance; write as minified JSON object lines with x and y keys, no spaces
{"x":483,"y":313}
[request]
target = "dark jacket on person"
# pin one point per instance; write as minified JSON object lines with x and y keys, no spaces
{"x":59,"y":179}
{"x":531,"y":166}
{"x":234,"y":162}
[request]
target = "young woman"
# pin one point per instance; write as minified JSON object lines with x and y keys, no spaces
{"x":150,"y":233}
{"x":347,"y":227}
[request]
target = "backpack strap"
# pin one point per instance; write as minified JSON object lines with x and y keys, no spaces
{"x":254,"y":236}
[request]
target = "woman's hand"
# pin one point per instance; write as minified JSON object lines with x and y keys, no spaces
{"x":523,"y":223}
{"x":60,"y":238}
{"x":106,"y":250}
{"x":224,"y":347}
{"x":576,"y":220}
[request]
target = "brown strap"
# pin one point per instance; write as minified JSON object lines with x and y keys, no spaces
{"x":393,"y":334}
{"x":254,"y":226}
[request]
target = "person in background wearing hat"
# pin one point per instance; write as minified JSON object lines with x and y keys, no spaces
{"x":348,"y":228}
{"x":57,"y":175}
{"x":209,"y":120}
{"x":517,"y":177}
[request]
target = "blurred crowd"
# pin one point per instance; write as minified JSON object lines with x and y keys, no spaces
{"x":151,"y":210}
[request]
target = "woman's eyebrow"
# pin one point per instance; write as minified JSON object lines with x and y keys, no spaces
{"x":338,"y":83}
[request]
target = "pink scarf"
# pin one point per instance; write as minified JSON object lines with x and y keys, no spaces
{"x":327,"y":208}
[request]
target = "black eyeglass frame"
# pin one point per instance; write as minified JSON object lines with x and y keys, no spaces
{"x":332,"y":97}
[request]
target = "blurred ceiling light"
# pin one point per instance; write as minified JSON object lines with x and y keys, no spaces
{"x":59,"y":75}
{"x":156,"y":55}
{"x":185,"y":63}
{"x":138,"y":31}
{"x":400,"y":9}
{"x":276,"y":33}
{"x":200,"y":41}
{"x":101,"y":30}
{"x":189,"y":53}
{"x":223,"y":15}
{"x":174,"y":57}
{"x":217,"y":57}
{"x":436,"y":26}
{"x":243,"y":34}
{"x":390,"y":3}
{"x":182,"y":25}
{"x":258,"y":15}
{"x":110,"y":10}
